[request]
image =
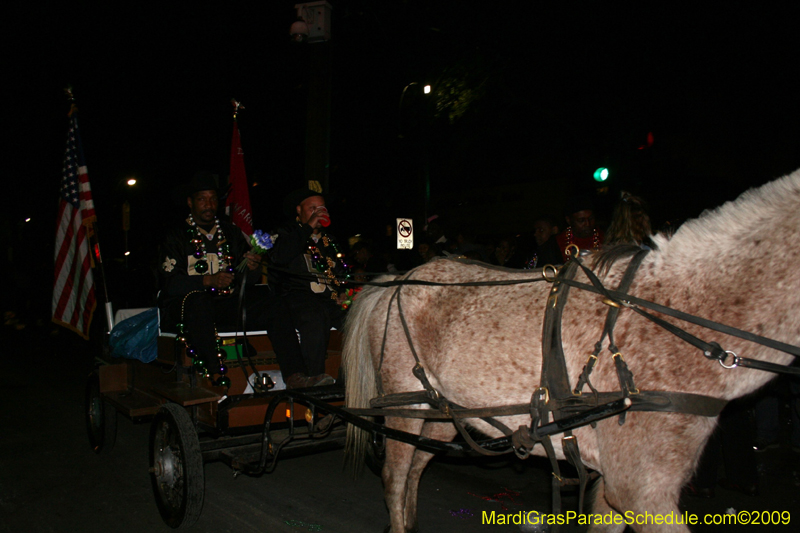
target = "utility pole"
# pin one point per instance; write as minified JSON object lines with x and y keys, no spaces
{"x":313,"y":26}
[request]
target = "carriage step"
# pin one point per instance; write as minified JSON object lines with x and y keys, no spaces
{"x":183,"y":394}
{"x":134,"y":404}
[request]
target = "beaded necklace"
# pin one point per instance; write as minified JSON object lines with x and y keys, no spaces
{"x":202,"y":265}
{"x":323,"y":260}
{"x":218,"y":367}
{"x":595,"y":238}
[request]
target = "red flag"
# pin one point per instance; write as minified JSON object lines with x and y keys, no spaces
{"x":238,"y":202}
{"x":73,"y":292}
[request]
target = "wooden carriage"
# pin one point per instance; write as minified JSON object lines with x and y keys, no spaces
{"x":194,"y":422}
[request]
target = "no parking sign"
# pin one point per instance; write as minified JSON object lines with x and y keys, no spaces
{"x":405,"y":234}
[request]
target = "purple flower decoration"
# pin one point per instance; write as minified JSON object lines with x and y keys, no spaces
{"x":261,"y":241}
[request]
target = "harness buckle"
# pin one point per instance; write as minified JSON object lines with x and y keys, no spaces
{"x":543,"y":391}
{"x":434,"y":394}
{"x":622,"y":304}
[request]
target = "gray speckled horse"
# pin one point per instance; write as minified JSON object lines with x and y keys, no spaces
{"x":481,"y":347}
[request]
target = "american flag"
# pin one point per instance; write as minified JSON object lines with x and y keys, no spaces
{"x":73,"y":292}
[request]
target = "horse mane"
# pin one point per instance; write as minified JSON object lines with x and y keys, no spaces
{"x":605,"y":259}
{"x":723,"y":228}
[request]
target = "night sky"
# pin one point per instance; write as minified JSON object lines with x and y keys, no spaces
{"x":523,"y":92}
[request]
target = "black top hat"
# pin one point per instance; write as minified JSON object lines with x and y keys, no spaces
{"x":202,"y":181}
{"x":295,"y":198}
{"x":578,"y":203}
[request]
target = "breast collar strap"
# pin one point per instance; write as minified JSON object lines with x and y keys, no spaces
{"x":554,"y":368}
{"x":561,"y":400}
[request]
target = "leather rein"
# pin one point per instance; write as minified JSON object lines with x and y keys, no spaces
{"x":569,"y":407}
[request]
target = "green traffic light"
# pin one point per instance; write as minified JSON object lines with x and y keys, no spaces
{"x":601,"y":174}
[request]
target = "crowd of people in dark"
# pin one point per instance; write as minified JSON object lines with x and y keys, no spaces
{"x":544,"y":244}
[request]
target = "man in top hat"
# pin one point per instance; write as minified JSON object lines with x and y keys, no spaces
{"x":310,"y":283}
{"x":581,"y":229}
{"x":200,"y":282}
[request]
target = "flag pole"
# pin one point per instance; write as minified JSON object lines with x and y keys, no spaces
{"x":236,"y":107}
{"x":237,"y":201}
{"x":94,"y":234}
{"x":108,"y":307}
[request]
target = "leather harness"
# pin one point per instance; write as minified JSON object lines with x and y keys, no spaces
{"x":555,"y":397}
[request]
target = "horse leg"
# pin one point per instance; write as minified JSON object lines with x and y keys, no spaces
{"x":444,"y":431}
{"x":645,"y":464}
{"x":397,"y":465}
{"x":658,"y":497}
{"x":601,"y":507}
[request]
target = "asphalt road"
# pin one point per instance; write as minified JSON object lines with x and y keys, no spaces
{"x":51,"y":481}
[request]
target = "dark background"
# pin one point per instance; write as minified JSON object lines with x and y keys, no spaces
{"x":525,"y":93}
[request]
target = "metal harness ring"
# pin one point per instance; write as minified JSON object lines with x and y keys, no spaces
{"x":735,"y":360}
{"x":548,"y":268}
{"x":569,"y":250}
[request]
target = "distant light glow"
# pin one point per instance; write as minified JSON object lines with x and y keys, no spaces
{"x":426,"y":89}
{"x":28,"y":219}
{"x":131,"y":182}
{"x":127,"y":254}
{"x":601,"y":174}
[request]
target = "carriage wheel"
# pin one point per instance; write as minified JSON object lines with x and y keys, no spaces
{"x":101,"y":417}
{"x":176,"y":466}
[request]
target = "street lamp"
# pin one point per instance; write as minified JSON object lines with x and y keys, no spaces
{"x":400,"y":109}
{"x":426,"y":89}
{"x":126,"y":218}
{"x":420,"y":125}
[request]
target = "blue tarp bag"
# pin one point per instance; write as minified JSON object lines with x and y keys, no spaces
{"x":135,"y":337}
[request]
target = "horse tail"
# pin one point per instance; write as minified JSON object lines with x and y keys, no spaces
{"x":360,"y":377}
